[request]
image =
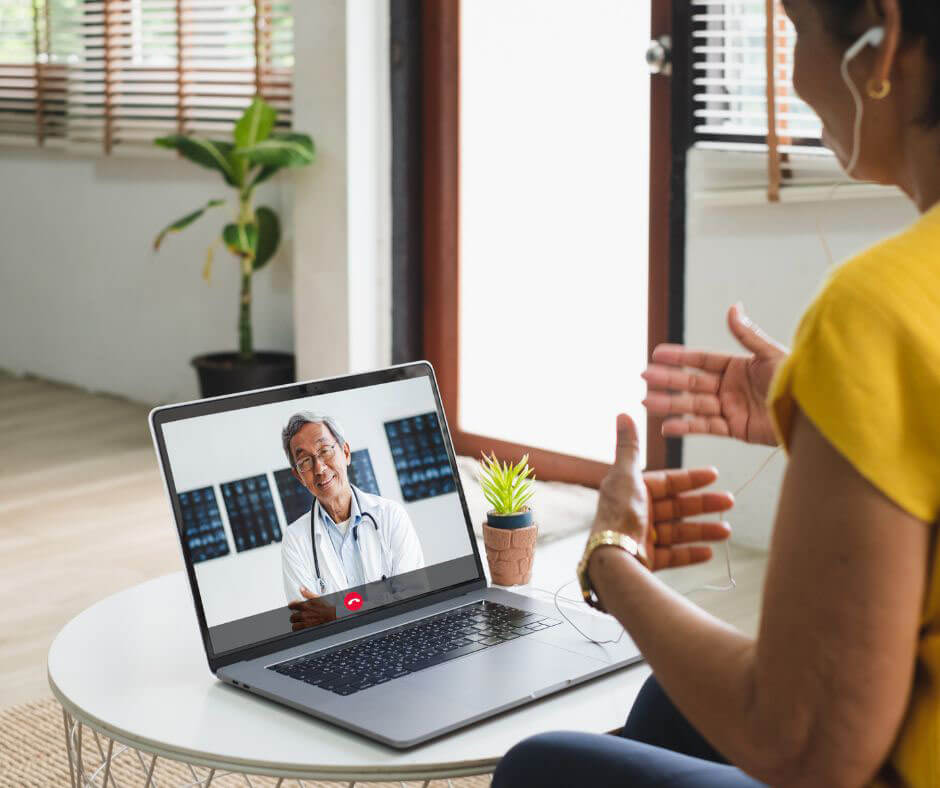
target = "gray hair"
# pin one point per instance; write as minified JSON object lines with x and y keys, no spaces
{"x":299,"y":419}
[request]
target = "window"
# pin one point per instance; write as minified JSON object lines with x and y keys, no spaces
{"x":742,"y":72}
{"x":554,"y":219}
{"x":730,"y":75}
{"x":114,"y":74}
{"x":548,"y":257}
{"x":32,"y":82}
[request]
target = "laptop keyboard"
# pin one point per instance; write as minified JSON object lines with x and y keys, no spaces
{"x":413,"y":647}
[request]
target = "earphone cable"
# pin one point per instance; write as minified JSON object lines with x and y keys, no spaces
{"x":856,"y":147}
{"x":730,"y":586}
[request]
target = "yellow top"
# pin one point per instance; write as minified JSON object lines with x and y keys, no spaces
{"x":865,"y":369}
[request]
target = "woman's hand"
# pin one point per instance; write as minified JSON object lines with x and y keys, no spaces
{"x":727,"y":397}
{"x":652,"y":507}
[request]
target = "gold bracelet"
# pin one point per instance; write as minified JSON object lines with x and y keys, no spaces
{"x":614,"y":539}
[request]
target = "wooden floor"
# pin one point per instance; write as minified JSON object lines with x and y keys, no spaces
{"x":83,"y":514}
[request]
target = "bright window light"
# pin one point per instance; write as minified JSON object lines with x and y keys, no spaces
{"x":554,"y":220}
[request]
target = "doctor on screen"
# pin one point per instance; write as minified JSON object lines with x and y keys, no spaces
{"x":349,"y":537}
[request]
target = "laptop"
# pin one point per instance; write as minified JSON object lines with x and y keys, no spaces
{"x":389,"y":627}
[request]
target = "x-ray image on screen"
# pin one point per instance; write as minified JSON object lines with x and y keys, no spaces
{"x":420,"y":457}
{"x":203,"y":533}
{"x":251,"y":512}
{"x":296,"y":499}
{"x":361,"y":473}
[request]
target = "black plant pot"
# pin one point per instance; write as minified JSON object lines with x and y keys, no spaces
{"x":509,"y":521}
{"x":226,"y":373}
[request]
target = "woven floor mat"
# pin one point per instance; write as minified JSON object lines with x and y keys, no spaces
{"x":32,"y":753}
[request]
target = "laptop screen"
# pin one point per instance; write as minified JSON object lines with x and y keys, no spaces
{"x":303,"y":512}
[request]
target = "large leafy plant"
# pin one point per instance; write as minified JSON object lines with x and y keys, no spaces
{"x":255,"y":153}
{"x":506,"y":487}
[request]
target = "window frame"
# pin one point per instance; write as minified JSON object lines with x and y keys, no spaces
{"x":439,"y":210}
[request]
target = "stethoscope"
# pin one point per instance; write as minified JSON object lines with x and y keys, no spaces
{"x":321,"y":583}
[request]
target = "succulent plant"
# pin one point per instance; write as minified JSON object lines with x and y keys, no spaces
{"x":506,"y":487}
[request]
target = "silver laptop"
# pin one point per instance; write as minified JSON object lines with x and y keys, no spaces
{"x":333,"y":564}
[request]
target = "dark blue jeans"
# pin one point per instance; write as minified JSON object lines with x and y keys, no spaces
{"x":657,"y":747}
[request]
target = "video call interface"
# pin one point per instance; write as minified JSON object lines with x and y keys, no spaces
{"x":355,"y":522}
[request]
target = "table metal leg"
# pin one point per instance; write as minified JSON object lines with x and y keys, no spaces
{"x":102,"y":774}
{"x":107,"y":768}
{"x":107,"y":761}
{"x":153,"y":763}
{"x":68,"y":747}
{"x":78,"y":756}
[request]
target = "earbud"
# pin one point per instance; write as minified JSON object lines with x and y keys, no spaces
{"x":873,"y":37}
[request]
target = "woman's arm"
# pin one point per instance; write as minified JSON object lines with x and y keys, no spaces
{"x":818,"y":698}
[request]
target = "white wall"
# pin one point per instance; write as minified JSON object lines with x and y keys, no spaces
{"x":770,"y":257}
{"x":342,"y":213}
{"x":211,"y":450}
{"x":85,"y":300}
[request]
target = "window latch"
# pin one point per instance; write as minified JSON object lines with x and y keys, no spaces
{"x":659,"y":56}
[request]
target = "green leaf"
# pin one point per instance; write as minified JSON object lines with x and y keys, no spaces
{"x":506,"y":486}
{"x":263,"y":174}
{"x":241,"y":240}
{"x":214,"y":154}
{"x":280,"y":150}
{"x":490,"y":491}
{"x":255,"y":124}
{"x":269,"y":236}
{"x":183,"y":223}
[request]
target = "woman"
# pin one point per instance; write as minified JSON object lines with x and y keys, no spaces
{"x":840,"y":687}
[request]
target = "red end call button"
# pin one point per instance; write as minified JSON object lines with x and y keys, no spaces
{"x":353,"y":600}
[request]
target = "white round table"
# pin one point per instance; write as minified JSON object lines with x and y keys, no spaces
{"x":132,"y":668}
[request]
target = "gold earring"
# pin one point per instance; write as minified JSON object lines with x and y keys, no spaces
{"x":878,"y":91}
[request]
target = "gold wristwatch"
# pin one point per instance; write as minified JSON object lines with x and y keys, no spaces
{"x":615,"y":539}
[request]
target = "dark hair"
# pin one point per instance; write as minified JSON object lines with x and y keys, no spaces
{"x":921,"y":19}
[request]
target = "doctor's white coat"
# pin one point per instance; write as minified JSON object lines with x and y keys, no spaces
{"x":391,"y":550}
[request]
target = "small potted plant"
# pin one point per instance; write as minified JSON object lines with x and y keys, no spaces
{"x":255,"y":153}
{"x":509,"y":532}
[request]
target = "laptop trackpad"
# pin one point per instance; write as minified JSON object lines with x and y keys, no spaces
{"x":507,"y":672}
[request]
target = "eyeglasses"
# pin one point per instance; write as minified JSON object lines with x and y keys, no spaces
{"x":305,"y":463}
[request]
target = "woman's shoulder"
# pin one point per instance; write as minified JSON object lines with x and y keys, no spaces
{"x":899,"y":275}
{"x":888,"y":293}
{"x":865,"y":367}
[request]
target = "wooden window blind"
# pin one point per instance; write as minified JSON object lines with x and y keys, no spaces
{"x":122,"y":72}
{"x":32,"y":80}
{"x":742,"y":92}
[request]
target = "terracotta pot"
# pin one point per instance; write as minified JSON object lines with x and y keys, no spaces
{"x":510,"y":552}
